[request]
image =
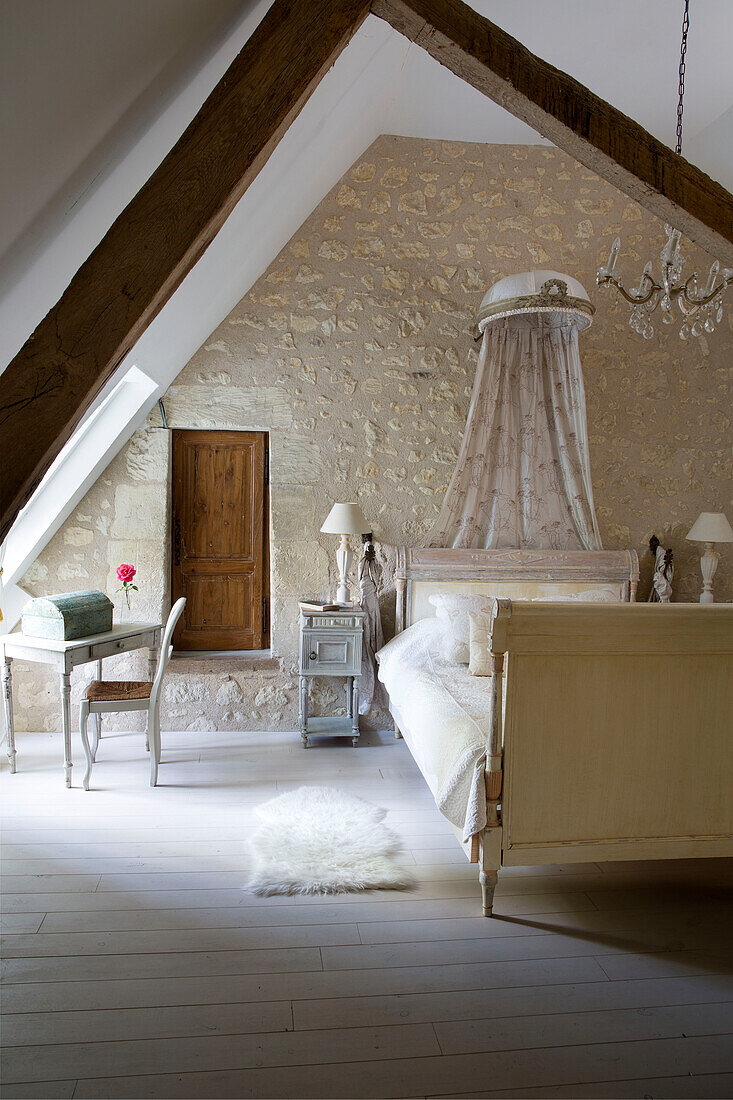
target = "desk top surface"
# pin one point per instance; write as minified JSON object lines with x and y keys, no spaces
{"x":118,"y":631}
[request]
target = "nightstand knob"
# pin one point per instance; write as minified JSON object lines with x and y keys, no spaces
{"x":313,"y":656}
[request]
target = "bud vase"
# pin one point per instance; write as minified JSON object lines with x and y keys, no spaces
{"x":123,"y":613}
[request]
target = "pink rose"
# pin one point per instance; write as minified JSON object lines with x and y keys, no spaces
{"x":125,"y":573}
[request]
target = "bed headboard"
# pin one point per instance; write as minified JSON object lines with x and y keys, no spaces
{"x":515,"y":574}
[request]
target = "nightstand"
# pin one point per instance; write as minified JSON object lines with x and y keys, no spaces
{"x":330,"y":645}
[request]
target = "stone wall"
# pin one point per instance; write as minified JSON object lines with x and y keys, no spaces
{"x":355,"y":351}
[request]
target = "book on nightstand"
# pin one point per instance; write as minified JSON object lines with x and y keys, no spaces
{"x":317,"y":605}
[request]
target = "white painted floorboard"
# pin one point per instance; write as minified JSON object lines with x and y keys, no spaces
{"x":136,"y":965}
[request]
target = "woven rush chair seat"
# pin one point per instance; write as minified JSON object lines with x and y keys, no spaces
{"x":110,"y":690}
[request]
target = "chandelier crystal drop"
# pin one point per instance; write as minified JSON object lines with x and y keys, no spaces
{"x":701,"y":307}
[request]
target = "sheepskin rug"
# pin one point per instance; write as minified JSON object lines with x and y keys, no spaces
{"x":318,"y":840}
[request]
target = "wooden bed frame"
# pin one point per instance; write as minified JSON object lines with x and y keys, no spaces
{"x":615,"y":740}
{"x":511,"y":571}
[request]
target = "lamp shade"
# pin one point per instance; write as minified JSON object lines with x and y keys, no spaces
{"x":345,"y":519}
{"x":710,"y":527}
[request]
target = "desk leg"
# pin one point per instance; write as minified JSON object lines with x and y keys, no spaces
{"x":97,"y":716}
{"x":152,"y":669}
{"x":8,"y":709}
{"x":153,"y":661}
{"x":65,"y":681}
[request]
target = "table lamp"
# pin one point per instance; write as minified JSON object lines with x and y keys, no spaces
{"x":709,"y":527}
{"x":344,"y":520}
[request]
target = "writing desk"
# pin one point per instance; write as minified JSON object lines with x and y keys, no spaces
{"x":64,"y":656}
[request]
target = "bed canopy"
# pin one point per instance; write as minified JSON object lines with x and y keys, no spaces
{"x":522,"y":479}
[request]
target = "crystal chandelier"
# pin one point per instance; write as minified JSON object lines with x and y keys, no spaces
{"x":701,"y":307}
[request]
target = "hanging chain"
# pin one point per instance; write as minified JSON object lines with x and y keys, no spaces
{"x":683,"y":51}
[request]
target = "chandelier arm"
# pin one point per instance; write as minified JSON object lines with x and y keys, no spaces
{"x":703,"y":299}
{"x":634,"y":300}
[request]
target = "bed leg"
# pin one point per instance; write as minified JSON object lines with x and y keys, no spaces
{"x":488,"y":881}
{"x":397,"y":733}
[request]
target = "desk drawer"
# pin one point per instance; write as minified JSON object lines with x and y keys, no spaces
{"x":331,"y":653}
{"x":119,"y":645}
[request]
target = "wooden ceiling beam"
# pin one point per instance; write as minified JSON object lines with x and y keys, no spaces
{"x":160,"y":235}
{"x":570,"y":116}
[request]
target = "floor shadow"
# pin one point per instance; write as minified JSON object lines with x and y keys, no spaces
{"x":669,"y":941}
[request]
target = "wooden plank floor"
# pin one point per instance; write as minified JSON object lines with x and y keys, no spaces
{"x":136,"y":965}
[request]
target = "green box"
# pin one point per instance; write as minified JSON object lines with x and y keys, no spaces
{"x":67,"y":616}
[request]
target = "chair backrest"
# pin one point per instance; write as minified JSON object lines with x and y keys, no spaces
{"x":166,"y":649}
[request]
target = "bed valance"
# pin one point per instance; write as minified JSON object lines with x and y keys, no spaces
{"x":523,"y":473}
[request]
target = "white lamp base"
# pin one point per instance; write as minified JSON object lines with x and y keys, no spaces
{"x":708,"y":565}
{"x":344,"y":559}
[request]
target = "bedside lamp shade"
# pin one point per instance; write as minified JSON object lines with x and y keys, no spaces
{"x":709,"y":527}
{"x":345,"y":519}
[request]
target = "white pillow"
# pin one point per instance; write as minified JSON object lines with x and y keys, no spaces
{"x":410,"y":647}
{"x":452,"y":611}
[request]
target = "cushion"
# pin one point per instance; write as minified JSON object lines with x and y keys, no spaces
{"x":452,"y":611}
{"x":479,"y":663}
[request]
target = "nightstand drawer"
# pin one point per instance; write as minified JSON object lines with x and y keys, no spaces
{"x":330,"y":653}
{"x":331,"y":620}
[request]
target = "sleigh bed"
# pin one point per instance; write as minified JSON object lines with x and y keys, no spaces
{"x":603,"y":728}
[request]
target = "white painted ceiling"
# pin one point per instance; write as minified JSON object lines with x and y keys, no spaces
{"x":626,"y":51}
{"x":75,"y":74}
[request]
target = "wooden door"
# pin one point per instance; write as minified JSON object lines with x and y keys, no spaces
{"x":220,"y":559}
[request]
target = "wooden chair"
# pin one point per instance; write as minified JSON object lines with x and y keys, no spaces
{"x":104,"y":696}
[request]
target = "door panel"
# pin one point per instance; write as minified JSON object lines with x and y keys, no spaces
{"x":219,"y":539}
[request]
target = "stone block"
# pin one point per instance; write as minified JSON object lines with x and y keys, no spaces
{"x":229,"y":693}
{"x":285,"y":627}
{"x":299,"y":568}
{"x":147,"y":455}
{"x":295,"y":461}
{"x":78,"y":536}
{"x":250,"y":408}
{"x":293,"y":512}
{"x":140,"y":512}
{"x":271,"y":697}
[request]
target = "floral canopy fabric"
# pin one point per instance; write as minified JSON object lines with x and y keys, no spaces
{"x":522,"y":479}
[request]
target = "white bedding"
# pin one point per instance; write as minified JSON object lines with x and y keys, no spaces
{"x":442,"y":712}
